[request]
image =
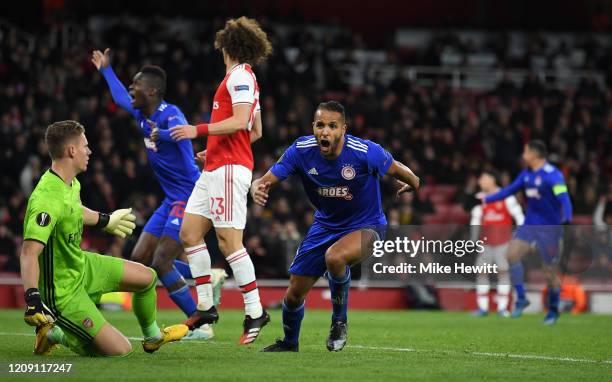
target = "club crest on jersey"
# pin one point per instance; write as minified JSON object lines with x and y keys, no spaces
{"x":43,"y":219}
{"x":335,"y":192}
{"x":87,"y":323}
{"x":538,"y":180}
{"x":348,"y":172}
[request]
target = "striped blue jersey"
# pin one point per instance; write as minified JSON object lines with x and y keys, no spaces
{"x":345,"y":191}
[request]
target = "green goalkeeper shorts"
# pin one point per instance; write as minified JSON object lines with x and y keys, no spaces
{"x":79,"y":317}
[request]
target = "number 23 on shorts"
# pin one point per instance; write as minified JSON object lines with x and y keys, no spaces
{"x":217,"y":206}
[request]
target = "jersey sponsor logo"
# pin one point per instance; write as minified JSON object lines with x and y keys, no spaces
{"x":43,"y":219}
{"x":348,"y":172}
{"x":74,"y":237}
{"x":313,"y":171}
{"x":335,"y":192}
{"x":493,"y":216}
{"x":532,"y":193}
{"x":151,"y":145}
{"x":87,"y":323}
{"x":238,"y":88}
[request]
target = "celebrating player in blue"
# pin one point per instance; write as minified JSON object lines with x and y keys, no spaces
{"x":340,"y":174}
{"x":548,"y":206}
{"x":175,"y":168}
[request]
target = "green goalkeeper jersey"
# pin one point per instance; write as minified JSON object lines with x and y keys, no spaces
{"x":54,"y":217}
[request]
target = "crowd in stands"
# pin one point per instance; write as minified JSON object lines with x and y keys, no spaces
{"x":446,"y":135}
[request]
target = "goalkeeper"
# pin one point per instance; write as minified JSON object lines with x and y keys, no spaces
{"x":63,"y":283}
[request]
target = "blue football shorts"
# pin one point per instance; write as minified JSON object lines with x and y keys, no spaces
{"x":167,"y":219}
{"x":310,"y":256}
{"x":546,"y":238}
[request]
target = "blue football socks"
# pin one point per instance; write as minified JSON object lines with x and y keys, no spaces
{"x":517,"y":275}
{"x":181,"y":297}
{"x":292,"y":322}
{"x":183,"y":268}
{"x":553,"y":299}
{"x":339,"y":295}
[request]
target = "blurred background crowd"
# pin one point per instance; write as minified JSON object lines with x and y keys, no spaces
{"x":416,"y":93}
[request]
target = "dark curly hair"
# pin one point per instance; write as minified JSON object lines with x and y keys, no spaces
{"x":244,"y":41}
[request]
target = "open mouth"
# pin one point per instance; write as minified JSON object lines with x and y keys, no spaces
{"x":325,"y":145}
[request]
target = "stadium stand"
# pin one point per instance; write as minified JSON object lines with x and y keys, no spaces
{"x":447,"y":107}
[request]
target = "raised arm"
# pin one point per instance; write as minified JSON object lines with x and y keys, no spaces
{"x":118,"y":91}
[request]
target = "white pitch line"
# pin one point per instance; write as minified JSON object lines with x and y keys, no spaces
{"x":381,"y":348}
{"x":489,"y":354}
{"x":411,"y":350}
{"x":540,"y":357}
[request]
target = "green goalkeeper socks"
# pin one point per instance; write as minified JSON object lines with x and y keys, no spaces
{"x":144,"y":304}
{"x":57,"y":336}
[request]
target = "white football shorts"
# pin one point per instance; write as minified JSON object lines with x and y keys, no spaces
{"x":221,"y":196}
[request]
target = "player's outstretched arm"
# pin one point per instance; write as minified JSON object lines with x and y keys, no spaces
{"x":237,"y":122}
{"x":260,"y":188}
{"x":118,"y":91}
{"x":511,"y":189}
{"x":35,"y":313}
{"x":408,"y":180}
{"x":120,"y":223}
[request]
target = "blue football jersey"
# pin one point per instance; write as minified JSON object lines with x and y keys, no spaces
{"x":547,"y":199}
{"x":345,"y":191}
{"x":173,"y":162}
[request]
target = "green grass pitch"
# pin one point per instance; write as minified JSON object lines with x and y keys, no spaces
{"x":387,"y":346}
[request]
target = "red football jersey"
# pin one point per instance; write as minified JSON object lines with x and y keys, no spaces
{"x":496,"y":220}
{"x":238,"y":86}
{"x":496,"y":223}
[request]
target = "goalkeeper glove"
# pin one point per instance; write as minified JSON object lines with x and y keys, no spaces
{"x":119,"y":223}
{"x":36,"y":313}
